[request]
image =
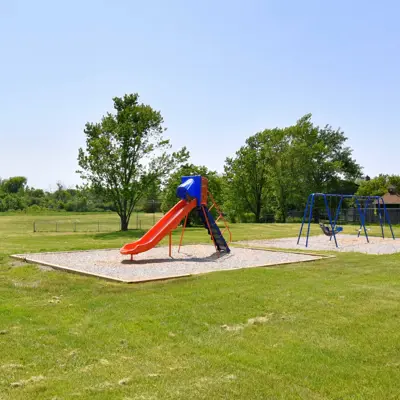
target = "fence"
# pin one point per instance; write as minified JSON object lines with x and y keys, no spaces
{"x":146,"y":221}
{"x":87,"y":224}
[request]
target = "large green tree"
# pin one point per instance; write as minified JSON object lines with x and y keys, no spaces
{"x":277,"y":168}
{"x":283,"y":166}
{"x":323,"y":156}
{"x":126,"y":153}
{"x":261,"y":177}
{"x":246,"y":177}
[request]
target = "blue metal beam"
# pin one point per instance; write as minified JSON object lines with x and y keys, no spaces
{"x":309,"y":218}
{"x":337,"y":215}
{"x":362,"y":219}
{"x":365,"y":214}
{"x":380,"y":218}
{"x":387,"y":218}
{"x":304,"y":218}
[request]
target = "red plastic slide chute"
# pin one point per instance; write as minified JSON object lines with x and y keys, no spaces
{"x":163,"y":227}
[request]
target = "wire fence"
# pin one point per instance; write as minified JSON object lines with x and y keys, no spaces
{"x":137,"y":221}
{"x":142,"y":221}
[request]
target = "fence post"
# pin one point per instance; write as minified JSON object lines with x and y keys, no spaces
{"x":56,"y":226}
{"x":34,"y":226}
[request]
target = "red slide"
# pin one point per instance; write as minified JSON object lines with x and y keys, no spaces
{"x":165,"y":225}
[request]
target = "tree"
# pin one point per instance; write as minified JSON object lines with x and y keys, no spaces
{"x":246,"y":177}
{"x":323,"y":156}
{"x":125,"y":153}
{"x":379,"y":185}
{"x":262,"y":176}
{"x":14,"y":184}
{"x":283,"y":167}
{"x":13,"y":202}
{"x":34,"y":196}
{"x":277,"y":168}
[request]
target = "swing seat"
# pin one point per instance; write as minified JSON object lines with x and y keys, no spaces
{"x":329,"y":232}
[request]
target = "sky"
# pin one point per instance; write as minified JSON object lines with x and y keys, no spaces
{"x":219,"y":71}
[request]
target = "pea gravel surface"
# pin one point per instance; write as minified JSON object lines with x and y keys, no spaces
{"x":346,"y":243}
{"x":156,"y":264}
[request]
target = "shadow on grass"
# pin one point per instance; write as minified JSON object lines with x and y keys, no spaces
{"x":132,"y":233}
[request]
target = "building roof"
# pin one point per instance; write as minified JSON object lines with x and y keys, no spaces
{"x":390,"y":198}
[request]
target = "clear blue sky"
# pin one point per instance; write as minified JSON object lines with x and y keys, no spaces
{"x":218,"y":71}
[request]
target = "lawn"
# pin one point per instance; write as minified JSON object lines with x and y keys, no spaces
{"x":323,"y":330}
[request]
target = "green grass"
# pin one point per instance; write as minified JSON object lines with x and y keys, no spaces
{"x":330,"y":328}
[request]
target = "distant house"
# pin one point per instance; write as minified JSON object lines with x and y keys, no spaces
{"x":391,"y":198}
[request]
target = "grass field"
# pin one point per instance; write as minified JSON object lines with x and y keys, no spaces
{"x":323,"y":330}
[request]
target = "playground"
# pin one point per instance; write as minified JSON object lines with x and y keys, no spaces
{"x":147,"y":263}
{"x":157,"y":265}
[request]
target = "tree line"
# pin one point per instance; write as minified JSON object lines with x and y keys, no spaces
{"x":128,"y":164}
{"x":16,"y":195}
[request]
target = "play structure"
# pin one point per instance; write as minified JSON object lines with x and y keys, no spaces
{"x":194,"y":195}
{"x":333,"y":229}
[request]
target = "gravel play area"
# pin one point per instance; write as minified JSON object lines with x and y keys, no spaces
{"x":346,"y":243}
{"x":156,"y":264}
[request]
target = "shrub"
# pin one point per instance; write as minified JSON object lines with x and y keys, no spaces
{"x":248,"y":218}
{"x":34,"y":209}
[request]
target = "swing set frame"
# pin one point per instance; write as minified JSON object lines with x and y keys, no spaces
{"x":333,"y":221}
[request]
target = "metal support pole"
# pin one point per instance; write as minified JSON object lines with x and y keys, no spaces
{"x":304,"y":218}
{"x":360,"y":211}
{"x":309,"y":217}
{"x":337,"y":215}
{"x":365,"y":210}
{"x":338,"y":211}
{"x":380,"y":218}
{"x":170,"y":244}
{"x":387,"y":218}
{"x":330,"y":219}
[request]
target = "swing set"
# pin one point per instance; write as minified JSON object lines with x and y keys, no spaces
{"x":333,"y":229}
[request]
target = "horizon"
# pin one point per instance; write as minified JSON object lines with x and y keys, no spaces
{"x":217,"y":72}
